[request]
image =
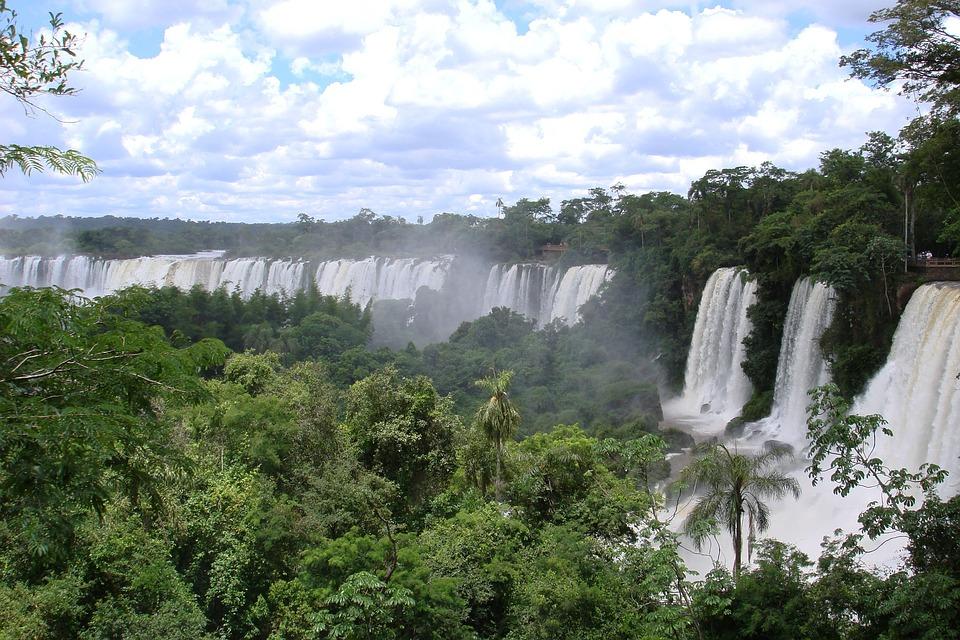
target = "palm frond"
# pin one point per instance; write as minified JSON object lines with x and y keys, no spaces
{"x":30,"y":159}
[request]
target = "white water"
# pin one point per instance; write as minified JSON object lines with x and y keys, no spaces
{"x":543,"y":293}
{"x":537,"y":291}
{"x":380,"y":278}
{"x":801,"y":366}
{"x":578,"y":285}
{"x":372,"y":278}
{"x":916,"y":391}
{"x":715,"y":384}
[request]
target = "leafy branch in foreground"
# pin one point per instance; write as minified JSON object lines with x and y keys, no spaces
{"x":82,"y":390}
{"x":842,"y":445}
{"x":28,"y":69}
{"x":39,"y":158}
{"x":32,"y":67}
{"x":916,"y":47}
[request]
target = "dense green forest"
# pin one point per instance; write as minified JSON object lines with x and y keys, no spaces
{"x":192,"y":464}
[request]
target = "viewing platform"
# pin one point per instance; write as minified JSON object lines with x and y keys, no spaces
{"x":937,"y":268}
{"x":552,"y":251}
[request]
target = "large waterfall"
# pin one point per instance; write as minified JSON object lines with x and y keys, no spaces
{"x":714,"y":382}
{"x":800,"y":366}
{"x":542,"y":293}
{"x":372,"y":278}
{"x":97,"y":277}
{"x":380,"y":278}
{"x":917,"y":390}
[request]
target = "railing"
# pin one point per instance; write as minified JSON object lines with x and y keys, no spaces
{"x":937,"y":268}
{"x":936,"y":263}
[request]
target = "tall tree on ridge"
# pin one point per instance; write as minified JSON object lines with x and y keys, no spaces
{"x":498,"y":419}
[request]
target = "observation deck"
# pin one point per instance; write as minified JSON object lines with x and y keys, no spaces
{"x":936,"y":268}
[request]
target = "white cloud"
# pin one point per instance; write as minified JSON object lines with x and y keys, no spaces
{"x":413,"y":107}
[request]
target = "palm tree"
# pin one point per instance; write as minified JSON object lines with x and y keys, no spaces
{"x":498,"y":419}
{"x":736,"y":485}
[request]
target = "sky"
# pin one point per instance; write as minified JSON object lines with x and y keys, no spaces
{"x":257,"y":110}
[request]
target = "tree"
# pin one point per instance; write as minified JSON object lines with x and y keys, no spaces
{"x":916,"y":47}
{"x":735,"y":486}
{"x":404,"y":431}
{"x":82,"y":389}
{"x":498,"y":419}
{"x":32,"y":69}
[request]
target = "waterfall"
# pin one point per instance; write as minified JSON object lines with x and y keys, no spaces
{"x":524,"y":288}
{"x":98,"y":277}
{"x":800,"y":366}
{"x":380,"y":278}
{"x":539,"y":292}
{"x":918,"y":393}
{"x":372,"y":278}
{"x":543,"y":293}
{"x":714,"y":381}
{"x":917,"y":390}
{"x":578,"y":285}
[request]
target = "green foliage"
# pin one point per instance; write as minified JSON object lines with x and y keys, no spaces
{"x":933,"y":544}
{"x":571,"y":586}
{"x":81,"y":394}
{"x":363,"y":608}
{"x":915,"y":48}
{"x":344,"y":583}
{"x":772,"y":601}
{"x":52,"y":609}
{"x":234,"y":536}
{"x":498,"y":420}
{"x":31,"y":69}
{"x":842,"y":444}
{"x":38,"y":158}
{"x":561,"y":477}
{"x":255,"y":373}
{"x":405,"y":431}
{"x":479,"y":549}
{"x":136,"y":588}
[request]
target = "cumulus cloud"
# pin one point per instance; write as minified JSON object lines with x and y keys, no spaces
{"x":258,"y":109}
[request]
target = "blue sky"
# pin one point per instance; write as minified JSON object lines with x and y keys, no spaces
{"x":254,"y":110}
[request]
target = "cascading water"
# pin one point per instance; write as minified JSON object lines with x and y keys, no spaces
{"x":538,"y":291}
{"x":917,"y":390}
{"x":918,"y":393}
{"x":800,"y":366}
{"x":714,"y":382}
{"x":380,"y":278}
{"x":578,"y":285}
{"x":97,"y":277}
{"x":524,"y":288}
{"x":543,"y":293}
